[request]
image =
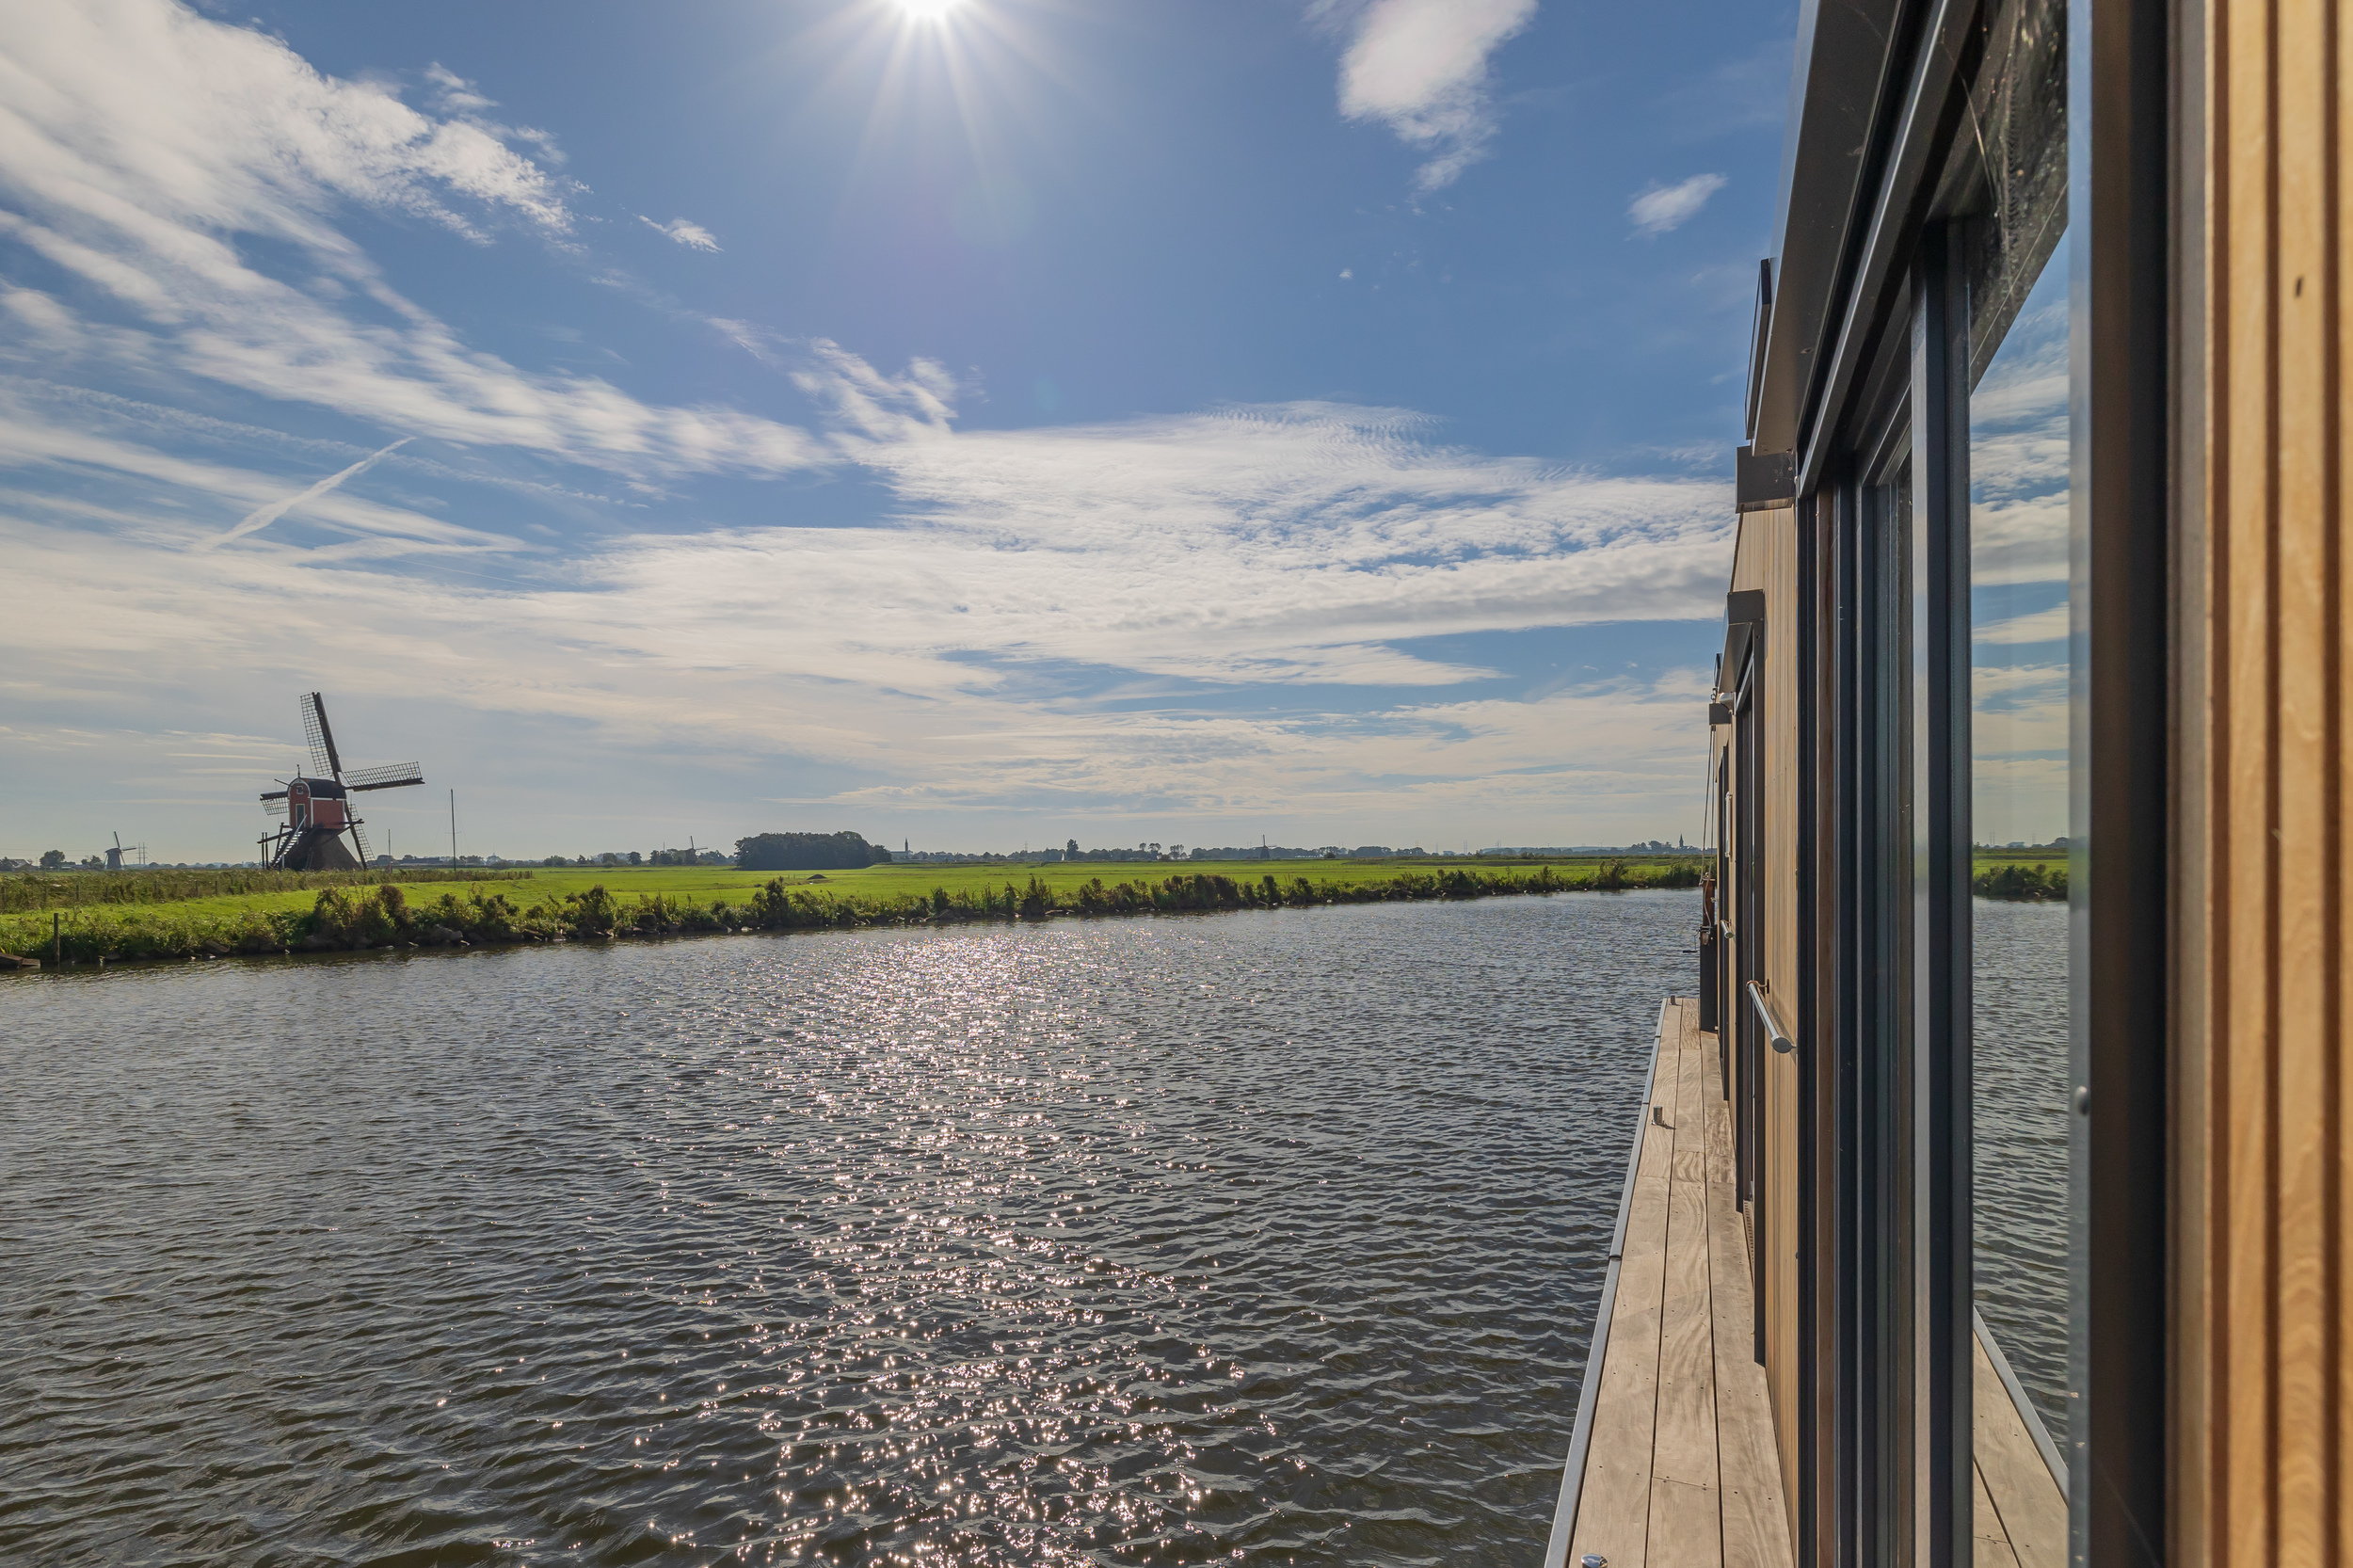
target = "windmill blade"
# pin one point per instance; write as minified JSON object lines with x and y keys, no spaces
{"x":389,"y":776}
{"x":322,"y":739}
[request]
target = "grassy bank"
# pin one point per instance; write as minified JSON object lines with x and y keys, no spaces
{"x":654,"y":904}
{"x":21,"y":891}
{"x":2037,"y":875}
{"x":701,"y":884}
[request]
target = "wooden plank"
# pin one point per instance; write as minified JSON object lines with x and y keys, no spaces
{"x":1613,"y":1502}
{"x":2242,"y":282}
{"x":1755,"y":1512}
{"x":1991,"y":1547}
{"x":2302,"y":782}
{"x":2300,"y":670}
{"x":1684,"y":1443}
{"x":2012,"y":1480}
{"x":2261,"y":1410}
{"x":1685,"y":1530}
{"x":2340,"y":963}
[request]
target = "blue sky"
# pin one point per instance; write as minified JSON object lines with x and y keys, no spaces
{"x":1039,"y":419}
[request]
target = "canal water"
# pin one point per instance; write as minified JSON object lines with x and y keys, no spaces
{"x":2023,"y":1088}
{"x":1268,"y":1238}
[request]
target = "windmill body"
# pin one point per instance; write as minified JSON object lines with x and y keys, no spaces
{"x":314,"y":810}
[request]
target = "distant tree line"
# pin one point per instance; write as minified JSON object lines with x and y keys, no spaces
{"x":807,"y":852}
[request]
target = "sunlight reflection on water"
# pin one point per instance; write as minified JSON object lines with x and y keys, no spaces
{"x":1263,"y":1238}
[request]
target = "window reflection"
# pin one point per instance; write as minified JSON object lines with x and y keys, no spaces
{"x":2018,"y":467}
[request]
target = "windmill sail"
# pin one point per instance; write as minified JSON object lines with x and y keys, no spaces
{"x":389,"y":776}
{"x":322,"y":739}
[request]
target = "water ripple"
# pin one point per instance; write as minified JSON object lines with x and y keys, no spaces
{"x":1266,"y":1238}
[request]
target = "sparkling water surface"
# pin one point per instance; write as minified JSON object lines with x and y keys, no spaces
{"x":1265,"y":1237}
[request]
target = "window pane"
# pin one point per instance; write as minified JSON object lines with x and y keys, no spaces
{"x":2018,"y":466}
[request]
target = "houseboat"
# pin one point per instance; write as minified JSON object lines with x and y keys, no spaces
{"x":1990,"y":1203}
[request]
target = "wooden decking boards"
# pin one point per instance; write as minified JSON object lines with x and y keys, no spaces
{"x":2021,"y":1515}
{"x":1682,"y":1469}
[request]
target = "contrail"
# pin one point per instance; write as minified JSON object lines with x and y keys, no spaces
{"x":262,"y":517}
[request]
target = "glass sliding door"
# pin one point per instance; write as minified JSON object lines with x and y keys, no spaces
{"x":2021,"y":1079}
{"x":2013,"y":690}
{"x":1869,"y":1075}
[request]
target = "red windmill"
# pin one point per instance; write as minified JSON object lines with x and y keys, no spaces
{"x":315,"y":811}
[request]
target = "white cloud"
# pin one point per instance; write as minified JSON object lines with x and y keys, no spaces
{"x":143,"y":116}
{"x":2018,"y":456}
{"x":454,"y":94}
{"x":1659,"y":208}
{"x":692,"y":235}
{"x":140,"y":143}
{"x":2039,"y":626}
{"x":1421,"y":67}
{"x":980,"y":649}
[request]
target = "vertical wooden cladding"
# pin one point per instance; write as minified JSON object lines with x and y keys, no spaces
{"x":2262,"y":1469}
{"x":1766,"y":559}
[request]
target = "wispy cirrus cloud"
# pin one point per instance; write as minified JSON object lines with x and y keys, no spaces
{"x":924,"y":673}
{"x":1025,"y":584}
{"x":1659,"y":208}
{"x":692,"y":235}
{"x":1420,"y":67}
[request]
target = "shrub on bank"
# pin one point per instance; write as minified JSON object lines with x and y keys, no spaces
{"x":2021,"y":884}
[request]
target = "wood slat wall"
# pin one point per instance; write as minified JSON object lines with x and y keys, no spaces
{"x":1766,"y":558}
{"x":2263,"y":1420}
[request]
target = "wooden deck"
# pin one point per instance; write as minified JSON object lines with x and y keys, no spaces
{"x":1680,"y":1466}
{"x":2020,"y":1515}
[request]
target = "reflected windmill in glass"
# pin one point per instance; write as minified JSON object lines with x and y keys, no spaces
{"x":314,"y":810}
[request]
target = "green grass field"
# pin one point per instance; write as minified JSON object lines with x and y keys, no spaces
{"x":700,"y":884}
{"x":2036,"y":875}
{"x":567,"y":902}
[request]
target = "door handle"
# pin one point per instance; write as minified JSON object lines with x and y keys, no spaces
{"x":1773,"y":1031}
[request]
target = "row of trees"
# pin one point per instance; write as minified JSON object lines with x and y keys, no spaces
{"x":807,"y":852}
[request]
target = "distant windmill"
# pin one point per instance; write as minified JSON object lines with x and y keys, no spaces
{"x":314,"y":810}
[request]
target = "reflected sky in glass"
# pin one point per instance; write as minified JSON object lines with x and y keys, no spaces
{"x":2018,"y":574}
